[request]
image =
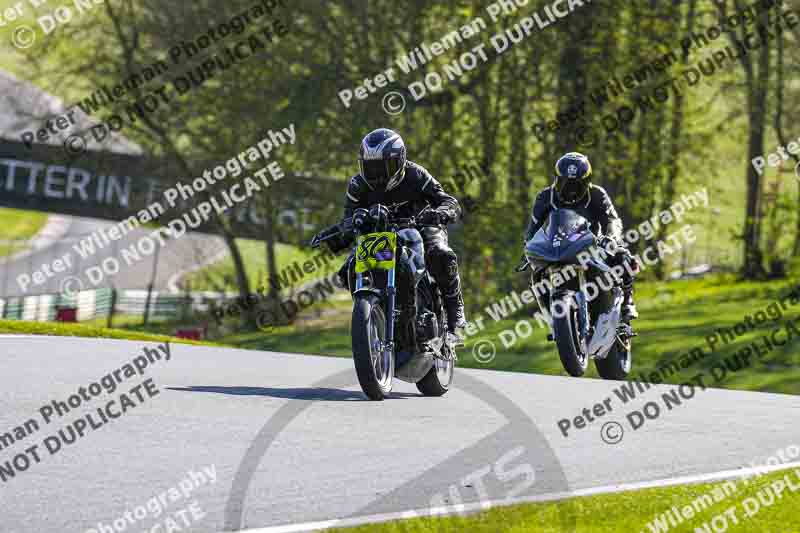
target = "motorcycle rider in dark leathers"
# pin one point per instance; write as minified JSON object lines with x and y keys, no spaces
{"x":387,"y":177}
{"x":572,"y":189}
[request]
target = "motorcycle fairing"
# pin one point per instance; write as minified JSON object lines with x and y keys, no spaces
{"x":605,"y":331}
{"x":561,"y":239}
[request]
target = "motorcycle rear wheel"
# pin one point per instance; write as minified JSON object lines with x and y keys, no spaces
{"x":438,"y":379}
{"x":374,"y":363}
{"x":617,"y":364}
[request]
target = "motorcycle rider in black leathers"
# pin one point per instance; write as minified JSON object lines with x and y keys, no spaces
{"x":387,"y":177}
{"x":573,"y":189}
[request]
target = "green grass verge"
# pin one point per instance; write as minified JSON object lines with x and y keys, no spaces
{"x":328,"y":334}
{"x":16,"y":224}
{"x":222,"y":274}
{"x":675,"y":318}
{"x":61,"y":329}
{"x":630,"y":511}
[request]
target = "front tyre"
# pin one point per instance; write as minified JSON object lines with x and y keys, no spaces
{"x":374,"y":362}
{"x":617,"y":364}
{"x":571,"y":350}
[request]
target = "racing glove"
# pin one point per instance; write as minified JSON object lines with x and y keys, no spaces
{"x":360,"y":217}
{"x":608,"y":244}
{"x":439,"y":216}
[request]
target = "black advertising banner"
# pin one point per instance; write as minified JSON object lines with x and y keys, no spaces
{"x":142,"y":190}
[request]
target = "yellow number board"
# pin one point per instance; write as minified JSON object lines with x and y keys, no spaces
{"x":375,"y":251}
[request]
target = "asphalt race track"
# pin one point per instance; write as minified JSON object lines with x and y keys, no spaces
{"x":291,"y":440}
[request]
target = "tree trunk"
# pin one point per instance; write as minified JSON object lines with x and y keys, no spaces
{"x":753,"y":256}
{"x":756,"y":82}
{"x":782,"y":136}
{"x":676,"y":132}
{"x":129,"y":47}
{"x":272,"y":263}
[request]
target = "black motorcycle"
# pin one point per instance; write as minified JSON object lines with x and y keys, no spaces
{"x":581,"y":293}
{"x":399,"y":326}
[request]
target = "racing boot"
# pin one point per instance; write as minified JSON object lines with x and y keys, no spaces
{"x":628,"y":311}
{"x":454,"y":307}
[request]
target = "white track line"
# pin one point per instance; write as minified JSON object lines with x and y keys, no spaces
{"x":480,"y":506}
{"x":28,"y":336}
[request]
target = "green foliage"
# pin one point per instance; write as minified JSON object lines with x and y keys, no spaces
{"x":221,"y":276}
{"x":626,"y":511}
{"x":16,"y":224}
{"x":694,"y":138}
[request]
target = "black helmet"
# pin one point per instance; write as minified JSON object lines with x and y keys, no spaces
{"x":573,"y":171}
{"x":382,"y":159}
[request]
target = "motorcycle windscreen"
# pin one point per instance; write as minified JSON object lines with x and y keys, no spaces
{"x":561,"y":239}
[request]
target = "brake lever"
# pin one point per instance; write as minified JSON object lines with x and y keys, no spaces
{"x":522,"y":266}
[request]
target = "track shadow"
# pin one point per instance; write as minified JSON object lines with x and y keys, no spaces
{"x":304,"y":393}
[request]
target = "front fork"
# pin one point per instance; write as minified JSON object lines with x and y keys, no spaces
{"x":580,"y":299}
{"x":391,"y":296}
{"x":583,"y":305}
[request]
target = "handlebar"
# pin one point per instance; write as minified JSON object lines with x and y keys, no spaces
{"x":411,"y":222}
{"x":346,"y":225}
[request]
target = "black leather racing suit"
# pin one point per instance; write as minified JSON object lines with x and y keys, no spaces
{"x":419,"y":189}
{"x":598,"y":209}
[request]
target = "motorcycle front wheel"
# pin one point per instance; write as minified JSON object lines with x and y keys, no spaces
{"x":374,"y":361}
{"x":571,"y":350}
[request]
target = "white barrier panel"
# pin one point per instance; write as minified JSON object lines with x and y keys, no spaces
{"x":29,"y":305}
{"x":44,"y":307}
{"x":87,"y":301}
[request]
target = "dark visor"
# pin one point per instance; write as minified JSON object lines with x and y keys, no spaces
{"x":379,"y":171}
{"x":374,"y":171}
{"x":570,"y":189}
